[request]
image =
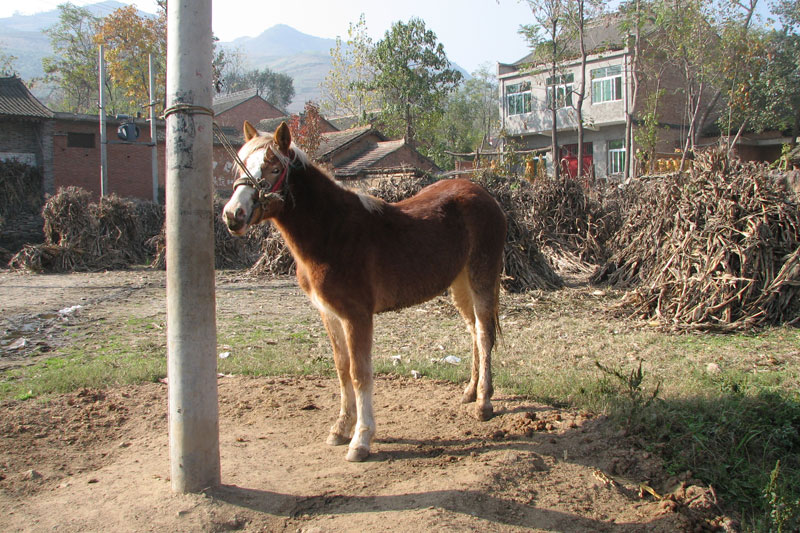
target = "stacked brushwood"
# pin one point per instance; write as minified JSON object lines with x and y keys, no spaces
{"x":526,"y":267}
{"x":21,"y":200}
{"x":20,"y":188}
{"x":229,"y":251}
{"x":571,"y":225}
{"x":81,"y":235}
{"x":718,"y":249}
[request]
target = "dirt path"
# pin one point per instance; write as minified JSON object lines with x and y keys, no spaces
{"x":98,"y":460}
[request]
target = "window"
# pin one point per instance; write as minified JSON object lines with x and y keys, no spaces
{"x":80,"y":140}
{"x":616,"y":157}
{"x":559,"y":89}
{"x":518,"y":98}
{"x":607,"y":84}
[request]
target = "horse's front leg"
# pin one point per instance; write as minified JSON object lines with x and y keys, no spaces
{"x":358,"y":333}
{"x":343,"y":427}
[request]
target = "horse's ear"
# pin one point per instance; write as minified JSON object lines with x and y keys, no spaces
{"x":249,"y":131}
{"x":283,"y":137}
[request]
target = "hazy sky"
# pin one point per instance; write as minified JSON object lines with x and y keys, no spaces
{"x":473,"y":32}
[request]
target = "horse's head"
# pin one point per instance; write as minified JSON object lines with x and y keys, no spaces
{"x":258,"y":197}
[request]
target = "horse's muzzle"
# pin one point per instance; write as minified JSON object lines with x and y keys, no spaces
{"x":235,"y":221}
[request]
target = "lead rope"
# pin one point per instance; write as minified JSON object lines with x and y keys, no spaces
{"x":226,"y":144}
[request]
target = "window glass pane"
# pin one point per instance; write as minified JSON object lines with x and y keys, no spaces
{"x":80,"y":140}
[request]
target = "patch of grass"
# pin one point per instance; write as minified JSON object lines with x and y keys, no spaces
{"x":731,"y":436}
{"x":725,"y":407}
{"x":75,"y":368}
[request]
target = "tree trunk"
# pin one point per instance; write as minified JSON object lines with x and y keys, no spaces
{"x":554,"y":106}
{"x":630,"y":103}
{"x":582,"y":90}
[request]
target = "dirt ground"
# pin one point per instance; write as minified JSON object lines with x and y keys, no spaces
{"x":97,"y":460}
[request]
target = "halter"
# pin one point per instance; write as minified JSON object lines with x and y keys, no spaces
{"x":264,"y":196}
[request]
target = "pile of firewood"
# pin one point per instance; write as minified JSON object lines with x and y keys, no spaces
{"x":717,"y":249}
{"x":81,"y":235}
{"x":229,"y":251}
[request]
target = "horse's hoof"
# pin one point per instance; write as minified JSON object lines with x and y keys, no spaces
{"x":468,"y":397}
{"x":357,"y":455}
{"x":334,"y":439}
{"x":484,"y":413}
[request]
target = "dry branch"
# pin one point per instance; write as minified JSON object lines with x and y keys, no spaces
{"x":717,"y":249}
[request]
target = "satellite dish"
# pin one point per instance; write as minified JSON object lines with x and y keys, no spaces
{"x":128,"y":131}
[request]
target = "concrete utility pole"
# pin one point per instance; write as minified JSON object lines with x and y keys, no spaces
{"x":153,"y":129}
{"x":103,"y":138}
{"x":191,"y":321}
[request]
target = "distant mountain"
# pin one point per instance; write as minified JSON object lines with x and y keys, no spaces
{"x":22,"y":36}
{"x":283,"y":49}
{"x":280,"y":48}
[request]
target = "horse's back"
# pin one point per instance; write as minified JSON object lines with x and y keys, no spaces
{"x":425,"y":241}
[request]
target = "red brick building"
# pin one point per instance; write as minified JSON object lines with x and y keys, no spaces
{"x":76,"y":156}
{"x":231,"y":110}
{"x":66,"y":146}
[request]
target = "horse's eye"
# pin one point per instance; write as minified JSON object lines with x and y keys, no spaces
{"x":276,"y":170}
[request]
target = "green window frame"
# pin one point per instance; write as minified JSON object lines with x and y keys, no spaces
{"x":518,"y":98}
{"x":606,"y":84}
{"x":616,"y":157}
{"x":559,"y":90}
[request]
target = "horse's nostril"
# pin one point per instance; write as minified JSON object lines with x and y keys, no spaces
{"x":239,"y":216}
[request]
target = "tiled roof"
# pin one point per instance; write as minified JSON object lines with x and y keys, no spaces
{"x":17,"y":100}
{"x":336,"y":140}
{"x":366,"y":160}
{"x":602,"y":34}
{"x":229,"y":101}
{"x":271,"y":124}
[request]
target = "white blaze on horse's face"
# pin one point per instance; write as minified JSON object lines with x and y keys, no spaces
{"x":238,"y":212}
{"x":239,"y":209}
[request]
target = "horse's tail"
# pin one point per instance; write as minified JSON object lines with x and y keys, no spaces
{"x":498,"y":331}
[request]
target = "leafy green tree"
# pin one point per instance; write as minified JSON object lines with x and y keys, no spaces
{"x":785,"y":72}
{"x":471,"y":116}
{"x":129,"y":39}
{"x":346,"y":86}
{"x":72,"y":68}
{"x":412,"y":77}
{"x":690,"y":43}
{"x":7,"y":62}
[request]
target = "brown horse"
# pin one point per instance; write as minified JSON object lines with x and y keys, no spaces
{"x":357,"y":255}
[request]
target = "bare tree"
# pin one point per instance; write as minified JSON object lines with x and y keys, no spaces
{"x":547,"y":37}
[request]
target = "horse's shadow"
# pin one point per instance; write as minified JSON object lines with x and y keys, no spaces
{"x":474,"y":503}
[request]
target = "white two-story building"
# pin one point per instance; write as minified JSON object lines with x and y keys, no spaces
{"x":527,"y":89}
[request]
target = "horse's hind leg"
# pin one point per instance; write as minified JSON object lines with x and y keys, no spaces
{"x":462,"y":298}
{"x":485,"y":294}
{"x":343,"y":427}
{"x":485,"y":328}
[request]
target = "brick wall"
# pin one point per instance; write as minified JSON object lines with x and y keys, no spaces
{"x":129,"y":165}
{"x":19,"y":135}
{"x":224,"y":171}
{"x":253,"y":110}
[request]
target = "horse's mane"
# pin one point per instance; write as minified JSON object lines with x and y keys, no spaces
{"x":265,"y":140}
